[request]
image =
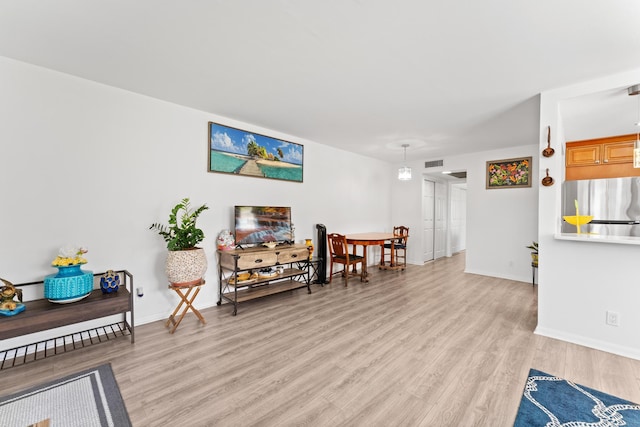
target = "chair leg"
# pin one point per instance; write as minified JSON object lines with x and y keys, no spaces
{"x":404,"y":257}
{"x":346,"y":275}
{"x":330,"y":271}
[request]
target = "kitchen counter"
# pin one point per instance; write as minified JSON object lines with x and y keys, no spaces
{"x":597,"y":238}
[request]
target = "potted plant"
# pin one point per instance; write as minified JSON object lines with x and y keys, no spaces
{"x":534,"y":253}
{"x":186,"y":263}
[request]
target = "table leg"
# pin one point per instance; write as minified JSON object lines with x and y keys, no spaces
{"x":365,"y":274}
{"x":195,"y":310}
{"x":188,"y":303}
{"x":171,"y":319}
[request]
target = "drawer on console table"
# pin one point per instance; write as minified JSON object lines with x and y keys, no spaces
{"x":249,"y":260}
{"x":293,"y":255}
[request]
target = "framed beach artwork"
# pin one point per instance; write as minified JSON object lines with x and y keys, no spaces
{"x":239,"y":152}
{"x":509,"y":173}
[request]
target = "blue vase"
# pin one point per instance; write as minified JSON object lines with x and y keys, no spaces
{"x":69,"y":270}
{"x":69,"y":284}
{"x":109,"y":282}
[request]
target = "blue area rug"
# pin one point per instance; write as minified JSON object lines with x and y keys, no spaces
{"x":550,"y":401}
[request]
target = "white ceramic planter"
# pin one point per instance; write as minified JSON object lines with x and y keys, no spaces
{"x":186,"y":267}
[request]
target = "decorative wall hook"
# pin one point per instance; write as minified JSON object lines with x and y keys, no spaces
{"x":548,"y":152}
{"x":547,"y":180}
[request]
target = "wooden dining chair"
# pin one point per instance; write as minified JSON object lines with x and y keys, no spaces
{"x":339,"y":254}
{"x":399,"y":246}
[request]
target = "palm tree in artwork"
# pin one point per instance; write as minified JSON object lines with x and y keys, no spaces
{"x":280,"y":153}
{"x":253,"y":149}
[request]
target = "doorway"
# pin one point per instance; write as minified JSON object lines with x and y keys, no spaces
{"x":428,"y":219}
{"x":444,"y":206}
{"x":458,"y":228}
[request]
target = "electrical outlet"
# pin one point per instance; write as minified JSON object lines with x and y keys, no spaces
{"x":613,"y":318}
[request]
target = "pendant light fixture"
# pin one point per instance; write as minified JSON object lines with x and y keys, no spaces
{"x":404,"y":173}
{"x":634,"y":91}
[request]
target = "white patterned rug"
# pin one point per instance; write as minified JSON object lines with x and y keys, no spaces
{"x":85,"y":399}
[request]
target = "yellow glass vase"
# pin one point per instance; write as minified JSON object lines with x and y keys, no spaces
{"x":309,"y":244}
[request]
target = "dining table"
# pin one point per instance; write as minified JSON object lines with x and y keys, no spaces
{"x":373,"y":239}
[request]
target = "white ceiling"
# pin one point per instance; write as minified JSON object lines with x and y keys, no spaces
{"x":362,"y":75}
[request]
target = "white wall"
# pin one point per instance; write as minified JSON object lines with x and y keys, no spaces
{"x":500,"y":222}
{"x":580,"y":281}
{"x":406,"y":209}
{"x":94,"y":165}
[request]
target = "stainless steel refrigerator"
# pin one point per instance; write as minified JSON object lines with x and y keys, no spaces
{"x":614,"y":204}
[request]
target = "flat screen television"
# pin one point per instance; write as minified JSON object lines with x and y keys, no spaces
{"x":261,"y":224}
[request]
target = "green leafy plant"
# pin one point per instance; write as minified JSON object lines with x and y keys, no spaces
{"x":181,"y":233}
{"x":533,"y":246}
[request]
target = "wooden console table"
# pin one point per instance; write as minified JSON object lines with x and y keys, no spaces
{"x":41,"y":315}
{"x":294,"y":260}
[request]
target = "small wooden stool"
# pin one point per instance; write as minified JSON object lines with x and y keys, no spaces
{"x":184,"y":299}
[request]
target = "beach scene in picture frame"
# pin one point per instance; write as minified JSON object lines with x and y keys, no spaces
{"x":509,"y":173}
{"x":239,"y":152}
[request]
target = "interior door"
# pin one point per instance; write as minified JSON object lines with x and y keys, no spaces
{"x":440,"y":220}
{"x":428,"y":215}
{"x":458,"y":226}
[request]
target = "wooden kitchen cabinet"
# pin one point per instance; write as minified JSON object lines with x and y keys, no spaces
{"x":610,"y":157}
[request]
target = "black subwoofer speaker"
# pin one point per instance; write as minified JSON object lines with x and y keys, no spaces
{"x":322,"y":254}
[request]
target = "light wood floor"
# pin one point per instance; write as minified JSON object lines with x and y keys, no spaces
{"x":431,"y":346}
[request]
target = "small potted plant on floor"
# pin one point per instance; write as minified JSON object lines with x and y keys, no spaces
{"x":186,"y":263}
{"x":534,"y":253}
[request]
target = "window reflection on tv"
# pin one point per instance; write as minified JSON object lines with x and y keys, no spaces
{"x":261,"y":224}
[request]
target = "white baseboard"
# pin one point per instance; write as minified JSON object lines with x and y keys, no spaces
{"x":630,"y":352}
{"x":517,"y":278}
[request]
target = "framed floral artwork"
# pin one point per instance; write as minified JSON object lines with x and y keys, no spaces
{"x":509,"y":173}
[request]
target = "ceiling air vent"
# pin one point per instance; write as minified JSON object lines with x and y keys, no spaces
{"x":459,"y":175}
{"x":434,"y":164}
